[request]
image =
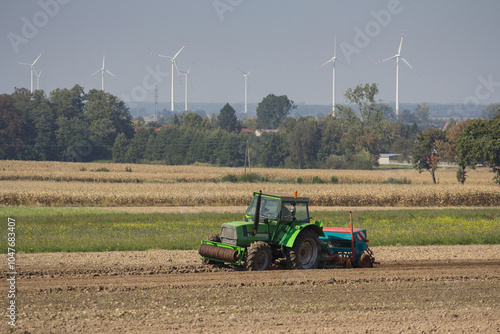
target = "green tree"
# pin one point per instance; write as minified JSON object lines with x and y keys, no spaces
{"x":176,"y":121}
{"x":492,"y":148}
{"x":226,"y":120}
{"x":231,"y":151}
{"x":304,"y":142}
{"x":120,"y":148}
{"x":171,"y":145}
{"x":23,"y":101}
{"x":73,"y":139}
{"x":448,"y":148}
{"x":272,"y":110}
{"x":44,"y":122}
{"x":107,"y":116}
{"x":425,"y":155}
{"x":364,"y":98}
{"x":192,"y":120}
{"x":330,"y":138}
{"x":138,"y":145}
{"x":422,"y":114}
{"x":268,"y":150}
{"x":11,"y":128}
{"x":68,"y":102}
{"x":470,"y":146}
{"x":407,"y":117}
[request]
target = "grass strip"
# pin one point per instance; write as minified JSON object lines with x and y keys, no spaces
{"x":45,"y":229}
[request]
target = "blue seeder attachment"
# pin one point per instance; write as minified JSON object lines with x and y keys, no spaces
{"x":338,"y":246}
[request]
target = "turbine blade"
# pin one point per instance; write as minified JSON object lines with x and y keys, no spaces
{"x":103,"y":57}
{"x":381,"y":61}
{"x":401,"y":43}
{"x":111,"y":73}
{"x":95,"y":73}
{"x":178,"y":72}
{"x":253,"y":69}
{"x":407,"y":63}
{"x":335,"y":46}
{"x":37,"y":58}
{"x":189,"y":70}
{"x":340,"y":61}
{"x":331,"y":60}
{"x":239,"y":69}
{"x":180,"y":50}
{"x":16,"y":62}
{"x":155,"y":54}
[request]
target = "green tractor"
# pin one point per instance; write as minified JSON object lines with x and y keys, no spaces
{"x":275,"y":226}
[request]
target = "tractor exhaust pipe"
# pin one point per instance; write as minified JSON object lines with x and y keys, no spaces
{"x":256,"y":217}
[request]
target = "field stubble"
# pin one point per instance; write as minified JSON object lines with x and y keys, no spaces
{"x":89,"y":172}
{"x":107,"y":184}
{"x":51,"y":193}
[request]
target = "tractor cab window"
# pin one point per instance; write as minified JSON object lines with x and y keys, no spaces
{"x":301,"y":211}
{"x":269,"y":208}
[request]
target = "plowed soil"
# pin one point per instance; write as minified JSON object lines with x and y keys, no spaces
{"x":438,"y":289}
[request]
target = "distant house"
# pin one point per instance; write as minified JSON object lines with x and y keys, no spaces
{"x":244,"y":130}
{"x":259,"y":132}
{"x":387,"y":158}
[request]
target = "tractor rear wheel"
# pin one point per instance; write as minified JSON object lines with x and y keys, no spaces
{"x":259,"y":256}
{"x":365,"y":261}
{"x":216,"y":238}
{"x":305,"y":253}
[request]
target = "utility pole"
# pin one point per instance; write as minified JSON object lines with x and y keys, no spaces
{"x":156,"y":103}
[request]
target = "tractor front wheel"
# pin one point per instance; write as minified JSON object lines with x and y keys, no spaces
{"x":259,"y":256}
{"x":305,"y":253}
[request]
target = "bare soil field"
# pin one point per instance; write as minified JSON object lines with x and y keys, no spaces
{"x":438,"y":289}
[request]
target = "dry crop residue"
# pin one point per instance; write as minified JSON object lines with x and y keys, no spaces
{"x":414,"y":289}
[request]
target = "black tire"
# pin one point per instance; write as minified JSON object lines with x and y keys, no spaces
{"x":305,"y":253}
{"x":212,"y":237}
{"x":259,"y":256}
{"x":365,"y":261}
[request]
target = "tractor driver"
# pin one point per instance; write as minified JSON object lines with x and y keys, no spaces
{"x":288,"y":211}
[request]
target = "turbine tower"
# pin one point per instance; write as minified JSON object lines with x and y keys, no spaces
{"x":174,"y":63}
{"x":38,"y":74}
{"x":245,"y":75}
{"x":187,"y":78}
{"x":32,"y":66}
{"x":333,"y":60}
{"x":398,"y":56}
{"x":102,"y":70}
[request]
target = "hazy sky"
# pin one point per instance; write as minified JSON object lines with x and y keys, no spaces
{"x":454,"y":46}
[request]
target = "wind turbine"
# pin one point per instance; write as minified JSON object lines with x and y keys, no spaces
{"x":245,"y":75}
{"x":102,"y":70}
{"x":187,"y":78}
{"x":398,"y":56}
{"x":174,"y":63}
{"x":333,"y":60}
{"x":32,"y":66}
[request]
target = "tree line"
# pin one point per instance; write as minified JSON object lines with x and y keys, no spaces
{"x":68,"y":125}
{"x":71,"y":125}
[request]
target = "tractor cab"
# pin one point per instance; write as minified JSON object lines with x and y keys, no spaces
{"x":279,"y":208}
